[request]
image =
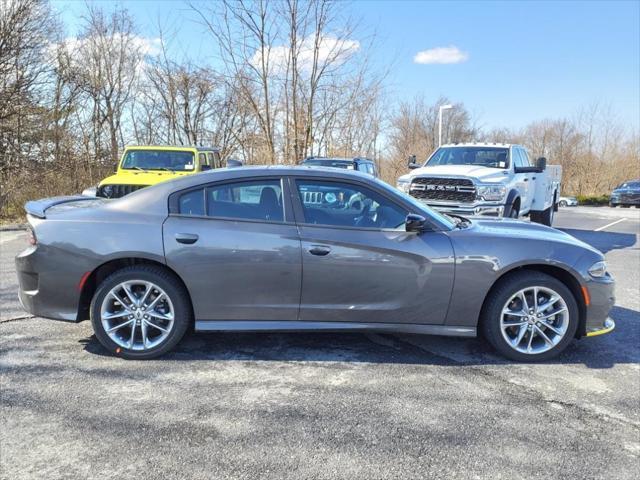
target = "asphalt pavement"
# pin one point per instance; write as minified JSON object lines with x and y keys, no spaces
{"x":325,"y":405}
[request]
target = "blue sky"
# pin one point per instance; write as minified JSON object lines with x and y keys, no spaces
{"x":525,"y":60}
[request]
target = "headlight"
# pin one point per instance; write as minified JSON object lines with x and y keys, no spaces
{"x":403,"y":185}
{"x":598,"y":269}
{"x":491,"y":192}
{"x":107,"y":191}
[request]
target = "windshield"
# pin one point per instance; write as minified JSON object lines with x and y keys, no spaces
{"x":629,"y":185}
{"x":328,"y":162}
{"x":480,"y":156}
{"x":159,"y":160}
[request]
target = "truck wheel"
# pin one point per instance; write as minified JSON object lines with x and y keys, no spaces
{"x":613,"y":205}
{"x":512,"y":212}
{"x":545,"y":217}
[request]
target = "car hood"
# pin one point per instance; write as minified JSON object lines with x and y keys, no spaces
{"x":483,"y":174}
{"x":136,"y":177}
{"x":626,"y":190}
{"x":522,"y":230}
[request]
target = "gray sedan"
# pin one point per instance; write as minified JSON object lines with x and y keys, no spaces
{"x":289,"y":249}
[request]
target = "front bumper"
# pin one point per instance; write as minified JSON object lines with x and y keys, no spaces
{"x":607,"y":327}
{"x":601,"y":301}
{"x":488,"y":210}
{"x":625,"y":199}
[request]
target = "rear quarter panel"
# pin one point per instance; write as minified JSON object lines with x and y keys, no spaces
{"x":77,"y":242}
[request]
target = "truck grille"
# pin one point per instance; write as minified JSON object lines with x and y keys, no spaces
{"x":312,"y":198}
{"x":117,"y":191}
{"x":458,"y":190}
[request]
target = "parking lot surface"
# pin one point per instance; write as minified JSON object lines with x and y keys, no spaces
{"x":326,"y":405}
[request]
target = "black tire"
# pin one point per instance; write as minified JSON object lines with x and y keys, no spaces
{"x":562,"y":203}
{"x":174,"y":289}
{"x":624,"y":205}
{"x":514,"y":212}
{"x":503,"y":291}
{"x":545,"y":217}
{"x":613,"y":205}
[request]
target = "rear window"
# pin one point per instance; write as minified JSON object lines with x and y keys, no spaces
{"x":250,"y":200}
{"x":325,"y":162}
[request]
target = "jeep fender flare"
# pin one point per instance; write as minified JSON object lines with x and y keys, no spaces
{"x":512,"y":197}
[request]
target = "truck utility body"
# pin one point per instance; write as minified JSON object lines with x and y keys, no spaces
{"x":486,"y":179}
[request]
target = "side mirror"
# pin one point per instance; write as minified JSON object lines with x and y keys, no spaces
{"x":204,"y":168}
{"x":541,"y":164}
{"x":411,"y":163}
{"x":233,"y":163}
{"x":415,"y":223}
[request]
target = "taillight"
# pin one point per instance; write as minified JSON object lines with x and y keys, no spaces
{"x":31,"y":237}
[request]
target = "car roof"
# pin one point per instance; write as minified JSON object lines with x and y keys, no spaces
{"x":340,"y":159}
{"x":482,"y":144}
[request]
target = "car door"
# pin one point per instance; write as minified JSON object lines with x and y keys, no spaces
{"x":522,"y":180}
{"x":236,"y":247}
{"x":358,"y":262}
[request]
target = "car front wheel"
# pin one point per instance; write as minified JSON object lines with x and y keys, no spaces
{"x":140,"y":312}
{"x":530,"y":316}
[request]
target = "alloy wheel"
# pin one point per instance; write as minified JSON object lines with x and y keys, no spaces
{"x":137,"y":315}
{"x":534,"y":320}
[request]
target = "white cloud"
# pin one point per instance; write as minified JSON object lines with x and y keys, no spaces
{"x":441,"y":55}
{"x":146,"y":46}
{"x":330,"y":49}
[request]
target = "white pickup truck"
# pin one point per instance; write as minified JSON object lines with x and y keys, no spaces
{"x":485,"y":179}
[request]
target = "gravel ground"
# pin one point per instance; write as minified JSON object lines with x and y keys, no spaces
{"x":324,"y":405}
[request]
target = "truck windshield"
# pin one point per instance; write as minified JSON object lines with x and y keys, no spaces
{"x":158,"y":160}
{"x":479,"y":156}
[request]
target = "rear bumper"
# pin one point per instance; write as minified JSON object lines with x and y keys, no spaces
{"x":45,"y":290}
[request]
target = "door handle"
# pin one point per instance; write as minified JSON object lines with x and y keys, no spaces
{"x":526,"y":179}
{"x":319,"y":250}
{"x":186,"y":238}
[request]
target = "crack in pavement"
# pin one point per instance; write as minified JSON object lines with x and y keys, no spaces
{"x":15,"y":319}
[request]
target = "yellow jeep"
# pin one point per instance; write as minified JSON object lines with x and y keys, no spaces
{"x":142,"y":166}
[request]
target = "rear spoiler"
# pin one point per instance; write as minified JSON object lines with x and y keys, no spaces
{"x":38,"y":208}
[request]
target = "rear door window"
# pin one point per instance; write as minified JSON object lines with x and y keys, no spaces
{"x":251,"y":200}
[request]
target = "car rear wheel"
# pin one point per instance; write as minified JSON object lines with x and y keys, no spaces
{"x":530,"y":316}
{"x":563,"y":203}
{"x":140,"y":312}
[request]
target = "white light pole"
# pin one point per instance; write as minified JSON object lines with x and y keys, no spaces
{"x":442,"y":107}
